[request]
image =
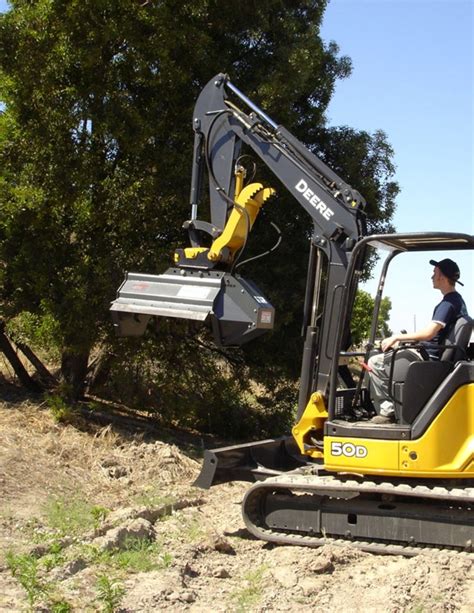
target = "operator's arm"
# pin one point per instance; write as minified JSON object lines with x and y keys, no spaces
{"x":426,"y":334}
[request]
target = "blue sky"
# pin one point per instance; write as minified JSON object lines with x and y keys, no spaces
{"x":413,"y":78}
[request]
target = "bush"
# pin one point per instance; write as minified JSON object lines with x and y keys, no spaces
{"x":212,"y":392}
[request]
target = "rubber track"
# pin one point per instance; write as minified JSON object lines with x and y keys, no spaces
{"x":301,"y":481}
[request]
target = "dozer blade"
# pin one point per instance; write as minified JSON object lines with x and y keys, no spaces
{"x":234,"y":308}
{"x":249,"y":461}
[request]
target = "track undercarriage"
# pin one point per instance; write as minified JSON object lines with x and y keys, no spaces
{"x":380,"y":516}
{"x":295,"y":501}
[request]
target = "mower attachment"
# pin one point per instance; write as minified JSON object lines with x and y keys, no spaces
{"x":235,"y":308}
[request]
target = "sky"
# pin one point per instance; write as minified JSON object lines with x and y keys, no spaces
{"x":413,"y":77}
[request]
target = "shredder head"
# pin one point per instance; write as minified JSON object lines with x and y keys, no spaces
{"x":235,"y":308}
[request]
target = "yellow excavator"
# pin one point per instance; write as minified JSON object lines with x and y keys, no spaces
{"x":401,"y":487}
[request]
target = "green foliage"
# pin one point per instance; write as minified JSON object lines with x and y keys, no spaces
{"x":54,"y":557}
{"x":39,"y":331}
{"x":61,"y":410}
{"x":248,"y":596}
{"x":363,"y":311}
{"x":61,"y":607}
{"x":362,"y":318}
{"x":136,"y":555}
{"x":185,"y":382}
{"x":192,"y":530}
{"x":109,"y":594}
{"x":365,"y":161}
{"x":25,"y":569}
{"x":99,"y":514}
{"x":384,"y":315}
{"x":72,"y":516}
{"x":150,"y":497}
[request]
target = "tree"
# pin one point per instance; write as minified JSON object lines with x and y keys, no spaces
{"x":384,"y":314}
{"x":362,"y":318}
{"x":96,"y":144}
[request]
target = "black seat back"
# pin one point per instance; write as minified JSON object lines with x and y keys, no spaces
{"x":423,"y":378}
{"x":457,"y":340}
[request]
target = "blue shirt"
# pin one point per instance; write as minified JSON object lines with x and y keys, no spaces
{"x":446,"y":313}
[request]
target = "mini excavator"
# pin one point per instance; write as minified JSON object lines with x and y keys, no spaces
{"x":339,"y":478}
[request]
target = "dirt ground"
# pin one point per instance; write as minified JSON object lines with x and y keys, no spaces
{"x":101,"y":518}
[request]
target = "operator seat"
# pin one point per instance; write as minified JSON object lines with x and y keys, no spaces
{"x":424,"y":377}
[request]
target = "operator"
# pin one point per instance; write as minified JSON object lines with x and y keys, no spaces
{"x":445,"y":275}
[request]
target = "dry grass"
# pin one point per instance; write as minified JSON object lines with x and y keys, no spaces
{"x":100,"y":463}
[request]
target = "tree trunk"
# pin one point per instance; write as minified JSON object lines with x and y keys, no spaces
{"x":74,"y":371}
{"x":16,"y":364}
{"x":99,"y":369}
{"x":45,"y":376}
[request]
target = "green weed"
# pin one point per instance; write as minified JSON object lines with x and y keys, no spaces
{"x":41,"y":332}
{"x":90,"y":553}
{"x":25,"y":569}
{"x":192,"y":530}
{"x":166,"y":560}
{"x":99,"y":514}
{"x":60,"y":606}
{"x":247,"y":597}
{"x":137,"y":555}
{"x":152,"y":498}
{"x":62,"y":411}
{"x":54,"y":557}
{"x":73,"y":516}
{"x":109,"y":594}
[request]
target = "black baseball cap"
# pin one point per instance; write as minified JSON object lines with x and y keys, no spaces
{"x":449,"y":269}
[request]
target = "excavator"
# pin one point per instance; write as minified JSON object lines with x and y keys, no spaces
{"x":397,"y":488}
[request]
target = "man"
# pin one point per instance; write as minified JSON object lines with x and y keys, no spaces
{"x":445,"y":275}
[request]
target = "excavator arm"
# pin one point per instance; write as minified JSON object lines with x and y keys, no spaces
{"x":221,"y":128}
{"x":202,"y":285}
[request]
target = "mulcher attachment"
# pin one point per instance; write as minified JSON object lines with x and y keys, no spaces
{"x":235,"y":308}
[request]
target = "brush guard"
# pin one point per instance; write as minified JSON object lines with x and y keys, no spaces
{"x":250,"y":461}
{"x":235,"y":308}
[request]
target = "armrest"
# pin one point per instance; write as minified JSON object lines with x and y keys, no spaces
{"x":422,"y":348}
{"x":453,"y":347}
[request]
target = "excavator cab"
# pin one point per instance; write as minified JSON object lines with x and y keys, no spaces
{"x":399,"y":488}
{"x":433,"y":403}
{"x":420,"y":378}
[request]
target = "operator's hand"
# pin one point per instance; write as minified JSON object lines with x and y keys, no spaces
{"x":389,"y":342}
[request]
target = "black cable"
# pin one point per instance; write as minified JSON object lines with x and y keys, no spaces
{"x":254,"y":165}
{"x":207,"y":157}
{"x":261,"y":255}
